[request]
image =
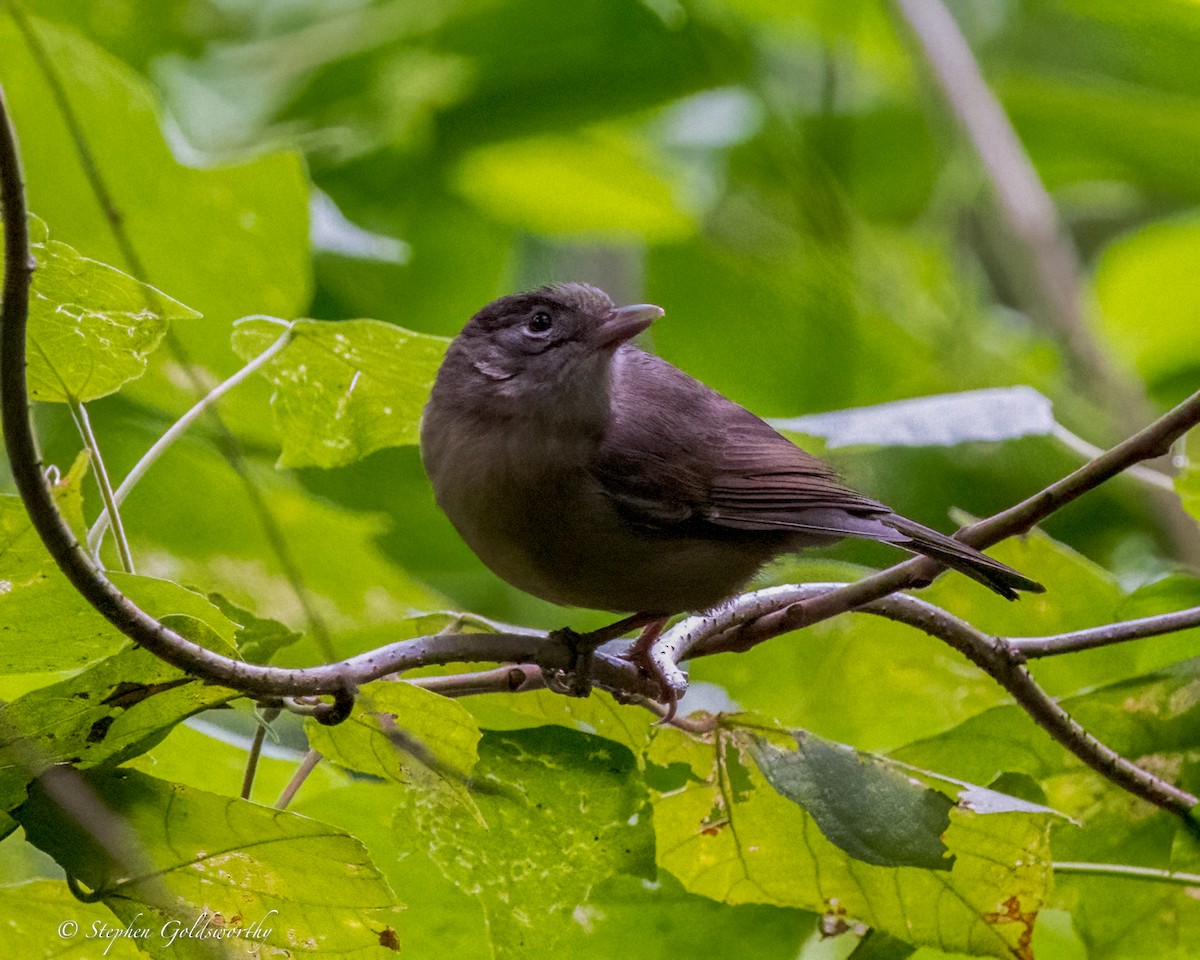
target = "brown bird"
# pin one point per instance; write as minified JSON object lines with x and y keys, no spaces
{"x":590,"y":473}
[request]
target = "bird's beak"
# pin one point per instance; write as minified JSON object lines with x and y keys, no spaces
{"x":625,"y":323}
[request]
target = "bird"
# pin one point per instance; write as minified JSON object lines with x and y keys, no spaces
{"x":588,"y":472}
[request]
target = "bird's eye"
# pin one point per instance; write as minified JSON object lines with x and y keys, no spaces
{"x":540,"y":322}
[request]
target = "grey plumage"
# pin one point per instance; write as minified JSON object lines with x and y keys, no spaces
{"x":590,"y":473}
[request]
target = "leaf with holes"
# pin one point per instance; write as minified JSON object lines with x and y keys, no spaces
{"x":91,"y":327}
{"x":343,"y":390}
{"x":726,"y":834}
{"x":247,"y":875}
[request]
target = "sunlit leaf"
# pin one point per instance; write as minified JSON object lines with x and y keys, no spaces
{"x":726,"y":834}
{"x":39,"y":909}
{"x":585,"y":186}
{"x":1000,"y":413}
{"x":406,"y":734}
{"x":91,"y":327}
{"x":343,"y":390}
{"x":1152,"y":720}
{"x":581,"y":793}
{"x":226,"y":863}
{"x":110,"y":712}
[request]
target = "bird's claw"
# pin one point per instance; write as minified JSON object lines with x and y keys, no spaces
{"x":576,"y":679}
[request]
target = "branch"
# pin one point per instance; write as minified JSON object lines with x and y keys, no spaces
{"x":176,"y":430}
{"x":1033,"y":647}
{"x":1148,"y":443}
{"x":228,"y":445}
{"x":1127,"y":871}
{"x":1024,"y":203}
{"x":700,"y":636}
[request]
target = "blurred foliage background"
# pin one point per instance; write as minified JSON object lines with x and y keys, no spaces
{"x":784,"y":178}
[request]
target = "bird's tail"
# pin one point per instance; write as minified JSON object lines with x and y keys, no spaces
{"x":966,"y":560}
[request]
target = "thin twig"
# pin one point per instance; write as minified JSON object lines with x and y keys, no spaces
{"x":307,"y":765}
{"x":1089,"y":451}
{"x":84,"y":426}
{"x":177,"y":429}
{"x":1033,"y":647}
{"x":1126,"y":871}
{"x":256,"y":745}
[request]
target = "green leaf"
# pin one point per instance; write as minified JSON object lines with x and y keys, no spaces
{"x":46,"y":625}
{"x":223,"y":863}
{"x":37,"y":913}
{"x":867,"y":806}
{"x":91,"y":327}
{"x":727,"y":835}
{"x":1149,"y":274}
{"x":109,"y":713}
{"x":257,"y":639}
{"x":563,"y":811}
{"x":1153,"y":720}
{"x":227,"y":240}
{"x":599,"y":714}
{"x":406,"y":734}
{"x":590,"y":186}
{"x":346,"y":389}
{"x":442,"y":919}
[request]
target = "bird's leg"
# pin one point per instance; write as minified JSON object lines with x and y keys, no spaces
{"x":639,"y":656}
{"x":576,"y":681}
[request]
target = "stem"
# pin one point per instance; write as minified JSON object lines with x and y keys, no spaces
{"x":307,"y":765}
{"x":1089,"y":451}
{"x":510,"y":678}
{"x":698,"y":636}
{"x":229,"y":446}
{"x":79,"y":415}
{"x":260,"y":734}
{"x":1128,"y":872}
{"x":1033,"y":647}
{"x":178,"y":428}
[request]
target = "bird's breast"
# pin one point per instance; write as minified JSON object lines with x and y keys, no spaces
{"x":531,"y":510}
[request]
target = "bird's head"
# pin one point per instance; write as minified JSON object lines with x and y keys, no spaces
{"x":549,"y":349}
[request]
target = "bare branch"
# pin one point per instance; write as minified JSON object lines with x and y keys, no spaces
{"x":699,"y":636}
{"x":1152,"y":441}
{"x":1033,"y":647}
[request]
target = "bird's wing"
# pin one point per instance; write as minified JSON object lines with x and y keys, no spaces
{"x":679,"y":456}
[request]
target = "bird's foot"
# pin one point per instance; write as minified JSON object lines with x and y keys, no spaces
{"x":639,"y":656}
{"x":576,"y":680}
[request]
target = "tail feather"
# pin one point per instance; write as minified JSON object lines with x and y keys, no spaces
{"x":966,"y":560}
